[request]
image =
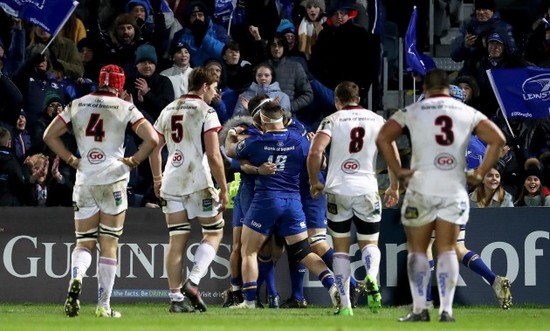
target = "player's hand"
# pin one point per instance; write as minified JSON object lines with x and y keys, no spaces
{"x":316,"y":190}
{"x":267,"y":168}
{"x":391,"y":197}
{"x":473,"y":178}
{"x":224,"y":200}
{"x":129,"y":161}
{"x":156,"y":188}
{"x":404,"y":175}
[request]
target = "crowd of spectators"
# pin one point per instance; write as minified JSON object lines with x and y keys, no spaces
{"x":293,"y":51}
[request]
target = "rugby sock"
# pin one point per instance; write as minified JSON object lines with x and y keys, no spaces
{"x":447,"y":277}
{"x":327,"y":279}
{"x":203,"y":258}
{"x":106,"y":272}
{"x":342,"y":271}
{"x":249,"y":291}
{"x":175,"y":295}
{"x":473,"y":261}
{"x":370,"y":254}
{"x":297,"y":275}
{"x":236,"y":283}
{"x":418,"y":270}
{"x":328,"y":258}
{"x":81,"y":259}
{"x":266,"y":267}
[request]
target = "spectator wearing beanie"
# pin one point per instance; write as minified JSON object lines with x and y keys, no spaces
{"x":181,"y":68}
{"x":150,"y":91}
{"x":204,"y":37}
{"x":532,"y":193}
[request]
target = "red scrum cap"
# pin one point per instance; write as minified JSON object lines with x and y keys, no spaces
{"x":112,"y":76}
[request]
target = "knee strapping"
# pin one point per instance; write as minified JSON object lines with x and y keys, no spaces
{"x":317,"y":239}
{"x":214,"y":227}
{"x":113,"y":232}
{"x":181,"y":228}
{"x":298,"y":251}
{"x":86,"y":235}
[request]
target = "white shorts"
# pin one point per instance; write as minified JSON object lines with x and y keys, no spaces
{"x":419,"y":209}
{"x":367,"y":208}
{"x":111,"y":199}
{"x":204,"y":203}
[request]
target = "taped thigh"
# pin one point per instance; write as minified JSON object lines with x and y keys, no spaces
{"x":113,"y":232}
{"x":89,"y":235}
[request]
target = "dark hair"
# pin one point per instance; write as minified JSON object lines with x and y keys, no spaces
{"x":279,"y":39}
{"x":347,"y":92}
{"x":265,"y":65}
{"x":436,"y":79}
{"x":232,"y":45}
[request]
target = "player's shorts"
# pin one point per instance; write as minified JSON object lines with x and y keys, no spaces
{"x":461,"y":234}
{"x":111,"y":199}
{"x":315,"y":211}
{"x":283,"y":214}
{"x":420,"y":209}
{"x":242,"y":202}
{"x":204,"y":203}
{"x":367,"y":207}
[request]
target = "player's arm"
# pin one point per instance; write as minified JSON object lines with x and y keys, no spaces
{"x":315,"y":161}
{"x":391,"y":195}
{"x":144,"y":129}
{"x":155,"y":162}
{"x":52,"y":138}
{"x":488,"y":132}
{"x":214,"y":156}
{"x":266,"y":168}
{"x":385,"y":141}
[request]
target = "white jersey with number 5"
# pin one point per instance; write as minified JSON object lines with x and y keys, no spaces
{"x":99,"y":124}
{"x":440,"y":129}
{"x":183,"y":123}
{"x":353,"y":151}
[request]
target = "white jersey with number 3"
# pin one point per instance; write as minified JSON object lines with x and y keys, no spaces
{"x":440,"y":129}
{"x":99,"y":124}
{"x":353,"y":151}
{"x":183,"y":123}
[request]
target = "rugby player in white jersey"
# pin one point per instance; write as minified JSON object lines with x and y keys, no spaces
{"x":189,"y":128}
{"x":436,"y":199}
{"x":99,"y":122}
{"x":351,"y":189}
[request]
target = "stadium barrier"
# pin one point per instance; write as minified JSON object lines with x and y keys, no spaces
{"x":36,"y":245}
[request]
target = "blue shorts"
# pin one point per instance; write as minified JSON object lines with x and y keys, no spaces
{"x":315,"y":211}
{"x":241,"y":203}
{"x":284,"y":215}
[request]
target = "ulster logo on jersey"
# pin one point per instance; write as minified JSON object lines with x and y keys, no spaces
{"x":445,"y":161}
{"x":350,"y":166}
{"x":96,"y":156}
{"x":177,"y":158}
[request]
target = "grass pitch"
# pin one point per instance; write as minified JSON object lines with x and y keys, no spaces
{"x":156,"y":317}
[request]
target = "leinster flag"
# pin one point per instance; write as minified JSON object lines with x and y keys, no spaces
{"x":412,"y":59}
{"x":50,"y":15}
{"x":522,"y":92}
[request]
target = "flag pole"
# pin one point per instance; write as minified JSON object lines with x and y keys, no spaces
{"x":75,"y":3}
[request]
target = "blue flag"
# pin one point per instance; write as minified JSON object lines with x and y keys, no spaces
{"x":412,"y":59}
{"x":522,"y":92}
{"x":50,"y":15}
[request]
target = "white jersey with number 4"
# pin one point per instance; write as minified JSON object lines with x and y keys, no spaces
{"x":183,"y":123}
{"x":353,"y":151}
{"x":440,"y":129}
{"x":99,"y":124}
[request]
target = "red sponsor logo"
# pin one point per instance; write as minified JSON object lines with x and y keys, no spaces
{"x":445,"y":161}
{"x":95,"y":156}
{"x":350,"y":166}
{"x":177,"y":158}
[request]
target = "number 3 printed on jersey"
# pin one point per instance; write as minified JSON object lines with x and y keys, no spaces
{"x":447,"y":137}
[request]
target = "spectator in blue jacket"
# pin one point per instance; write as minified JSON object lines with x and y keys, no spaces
{"x":205,"y":38}
{"x":469,"y":44}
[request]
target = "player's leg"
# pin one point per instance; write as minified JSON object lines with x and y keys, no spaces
{"x":430,"y":255}
{"x":341,"y":265}
{"x":86,"y":224}
{"x":447,"y":266}
{"x":267,"y":258}
{"x":204,"y":206}
{"x":234,"y":294}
